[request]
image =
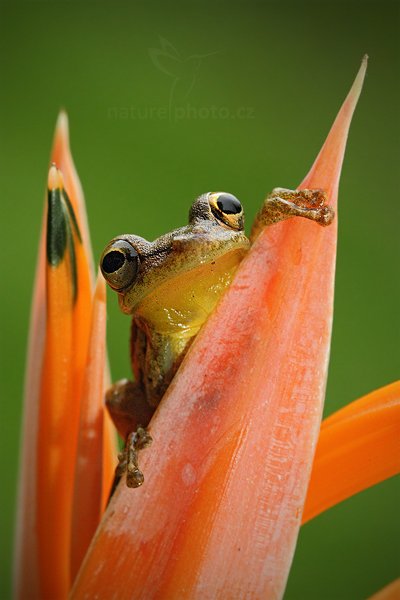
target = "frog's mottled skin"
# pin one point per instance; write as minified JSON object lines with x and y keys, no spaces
{"x":177,"y":281}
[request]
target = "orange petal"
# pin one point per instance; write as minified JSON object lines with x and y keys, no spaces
{"x":26,"y":578}
{"x":67,"y":333}
{"x":389,"y":592}
{"x":110,"y":449}
{"x":234,"y":438}
{"x":358,"y":447}
{"x":61,"y":155}
{"x":58,"y":411}
{"x":56,"y":359}
{"x":87,"y":505}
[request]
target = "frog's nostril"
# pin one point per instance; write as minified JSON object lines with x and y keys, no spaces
{"x":113,"y":261}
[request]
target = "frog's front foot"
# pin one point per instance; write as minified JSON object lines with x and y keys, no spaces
{"x":282,"y":204}
{"x":128,"y":458}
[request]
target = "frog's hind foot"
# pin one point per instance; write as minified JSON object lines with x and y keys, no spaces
{"x":282,"y":204}
{"x":128,"y":458}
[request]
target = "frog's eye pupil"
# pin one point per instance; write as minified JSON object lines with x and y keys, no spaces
{"x":229,"y":204}
{"x":113,"y":261}
{"x":227,"y":209}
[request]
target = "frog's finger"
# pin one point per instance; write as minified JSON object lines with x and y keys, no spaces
{"x":282,"y":204}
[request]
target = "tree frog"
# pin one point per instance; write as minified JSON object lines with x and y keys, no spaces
{"x":170,"y":286}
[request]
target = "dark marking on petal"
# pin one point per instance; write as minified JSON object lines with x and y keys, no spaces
{"x":74,"y":270}
{"x":61,"y":226}
{"x":56,"y":228}
{"x":72,"y":215}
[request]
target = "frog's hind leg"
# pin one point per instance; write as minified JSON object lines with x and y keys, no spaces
{"x":128,"y":407}
{"x":131,"y":415}
{"x":282,"y":204}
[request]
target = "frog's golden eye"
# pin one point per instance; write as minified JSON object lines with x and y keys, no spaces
{"x":119,"y":264}
{"x":227,"y":208}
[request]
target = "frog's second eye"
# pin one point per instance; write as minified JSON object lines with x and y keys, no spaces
{"x":227,"y":208}
{"x":119,"y":264}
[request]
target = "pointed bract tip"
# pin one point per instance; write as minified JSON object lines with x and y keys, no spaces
{"x":52,"y":180}
{"x":325,"y":172}
{"x":55,"y":178}
{"x":61,"y":137}
{"x":62,"y":125}
{"x":359,"y":80}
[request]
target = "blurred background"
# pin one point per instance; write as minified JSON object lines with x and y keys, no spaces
{"x":168,"y":101}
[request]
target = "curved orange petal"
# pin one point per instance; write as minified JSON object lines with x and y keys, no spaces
{"x":25,"y":576}
{"x":227,"y":474}
{"x":358,"y":447}
{"x":110,"y":450}
{"x":62,"y":156}
{"x":56,"y":361}
{"x":389,"y":592}
{"x":57,"y":429}
{"x":87,"y":502}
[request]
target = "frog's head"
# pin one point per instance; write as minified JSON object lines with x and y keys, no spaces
{"x":212,"y":243}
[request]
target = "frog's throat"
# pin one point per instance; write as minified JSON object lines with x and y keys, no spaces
{"x":168,"y":319}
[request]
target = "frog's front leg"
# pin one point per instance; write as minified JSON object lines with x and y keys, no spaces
{"x":131,"y":414}
{"x":282,"y":204}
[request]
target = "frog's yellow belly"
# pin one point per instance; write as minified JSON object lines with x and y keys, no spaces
{"x":167,"y":321}
{"x":180,"y":305}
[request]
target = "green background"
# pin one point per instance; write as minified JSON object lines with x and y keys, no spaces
{"x":149,"y":135}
